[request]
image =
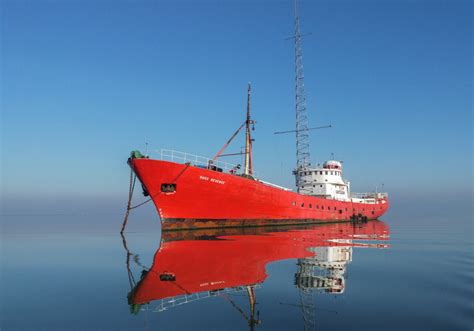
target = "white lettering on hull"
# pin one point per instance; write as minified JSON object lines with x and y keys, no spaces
{"x":212,"y":180}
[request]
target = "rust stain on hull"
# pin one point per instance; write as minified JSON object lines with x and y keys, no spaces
{"x":193,"y":224}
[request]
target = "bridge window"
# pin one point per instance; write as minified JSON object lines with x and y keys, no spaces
{"x":326,"y":172}
{"x":320,"y":172}
{"x":302,"y":205}
{"x":340,"y":211}
{"x":311,"y":206}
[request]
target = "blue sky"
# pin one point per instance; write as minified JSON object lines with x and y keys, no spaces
{"x":85,"y":82}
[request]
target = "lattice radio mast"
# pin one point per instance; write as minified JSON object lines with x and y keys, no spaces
{"x":302,"y":136}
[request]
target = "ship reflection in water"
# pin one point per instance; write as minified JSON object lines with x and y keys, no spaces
{"x":190,"y":266}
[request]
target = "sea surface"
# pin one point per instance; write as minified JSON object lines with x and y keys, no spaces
{"x":74,"y":271}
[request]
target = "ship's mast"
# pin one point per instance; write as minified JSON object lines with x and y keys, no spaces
{"x":248,"y":140}
{"x":302,"y":136}
{"x":248,"y":169}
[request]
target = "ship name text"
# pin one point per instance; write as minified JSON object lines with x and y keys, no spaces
{"x":213,"y":180}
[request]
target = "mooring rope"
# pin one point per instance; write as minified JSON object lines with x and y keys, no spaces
{"x":173,"y":181}
{"x":141,"y":204}
{"x":131,"y":188}
{"x":133,"y":178}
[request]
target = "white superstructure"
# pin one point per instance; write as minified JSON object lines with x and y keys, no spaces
{"x":325,"y":181}
{"x":325,"y":270}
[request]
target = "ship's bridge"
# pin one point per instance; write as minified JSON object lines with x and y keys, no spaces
{"x":325,"y":181}
{"x":332,"y":165}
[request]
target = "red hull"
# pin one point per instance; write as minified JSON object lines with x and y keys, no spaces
{"x":207,"y":198}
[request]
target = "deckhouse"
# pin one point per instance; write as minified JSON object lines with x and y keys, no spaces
{"x":325,"y":182}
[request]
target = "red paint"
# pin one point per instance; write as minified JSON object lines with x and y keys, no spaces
{"x":239,"y":259}
{"x":203,"y":194}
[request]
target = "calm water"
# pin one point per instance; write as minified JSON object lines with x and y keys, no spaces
{"x":77,"y":272}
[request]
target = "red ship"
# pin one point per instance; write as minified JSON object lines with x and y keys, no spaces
{"x":191,"y":191}
{"x":194,"y":265}
{"x":194,"y":192}
{"x":189,"y":196}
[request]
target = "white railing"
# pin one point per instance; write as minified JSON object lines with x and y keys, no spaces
{"x":196,"y":160}
{"x":202,"y":161}
{"x":165,"y":304}
{"x":369,"y":195}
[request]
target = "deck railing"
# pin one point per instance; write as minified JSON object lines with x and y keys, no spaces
{"x":200,"y":161}
{"x":165,"y":304}
{"x":369,"y":195}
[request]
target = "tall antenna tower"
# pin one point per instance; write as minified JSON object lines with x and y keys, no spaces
{"x":302,"y":136}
